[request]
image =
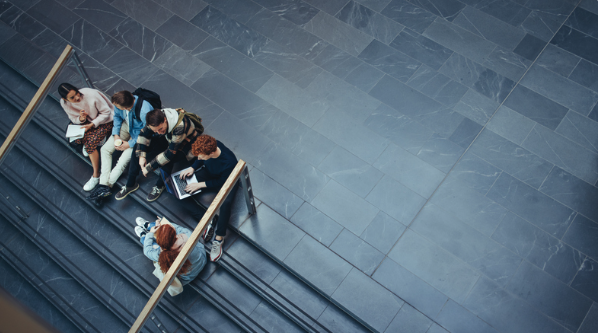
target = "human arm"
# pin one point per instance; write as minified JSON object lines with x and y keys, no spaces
{"x":117,"y":122}
{"x":137,"y":124}
{"x":151,"y":251}
{"x":103,"y":106}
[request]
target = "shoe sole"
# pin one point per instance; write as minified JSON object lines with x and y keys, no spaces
{"x":124,"y":196}
{"x":155,"y":198}
{"x":219,"y":255}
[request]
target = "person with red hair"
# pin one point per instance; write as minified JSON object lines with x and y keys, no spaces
{"x":163,"y":240}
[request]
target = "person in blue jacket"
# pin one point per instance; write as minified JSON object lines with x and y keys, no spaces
{"x":124,"y":135}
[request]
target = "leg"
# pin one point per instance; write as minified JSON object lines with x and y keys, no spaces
{"x":134,"y":169}
{"x":120,"y":166}
{"x":106,"y":160}
{"x":225,"y":213}
{"x":95,"y":159}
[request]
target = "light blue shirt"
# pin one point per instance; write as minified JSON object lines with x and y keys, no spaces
{"x":135,"y":125}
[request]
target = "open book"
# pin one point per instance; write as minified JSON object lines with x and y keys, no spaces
{"x":75,"y":132}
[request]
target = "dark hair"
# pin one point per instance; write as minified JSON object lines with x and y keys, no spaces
{"x":123,"y":98}
{"x":203,"y":144}
{"x":166,"y":238}
{"x":65,"y":88}
{"x":155,"y":118}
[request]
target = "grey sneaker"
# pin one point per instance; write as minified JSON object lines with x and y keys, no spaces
{"x":140,"y":231}
{"x":155,"y":194}
{"x":217,"y":250}
{"x":125,"y":192}
{"x":142,"y":223}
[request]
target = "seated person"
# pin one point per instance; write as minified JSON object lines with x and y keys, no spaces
{"x":164,"y":141}
{"x":214,"y":165}
{"x":124,"y":135}
{"x":162,"y":243}
{"x":92,"y":109}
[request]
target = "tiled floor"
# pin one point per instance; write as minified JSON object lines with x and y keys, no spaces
{"x":429,"y":164}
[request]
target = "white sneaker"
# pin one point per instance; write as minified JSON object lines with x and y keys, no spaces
{"x":91,"y":184}
{"x":140,"y":231}
{"x":217,"y":249}
{"x":142,"y":222}
{"x":85,"y":152}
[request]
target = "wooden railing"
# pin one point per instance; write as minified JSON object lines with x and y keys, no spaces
{"x":34,"y":104}
{"x":240,"y":169}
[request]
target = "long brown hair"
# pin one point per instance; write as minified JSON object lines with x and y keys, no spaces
{"x":166,"y":238}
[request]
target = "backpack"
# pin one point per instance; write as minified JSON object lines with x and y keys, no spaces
{"x":197,"y":121}
{"x":146,"y":95}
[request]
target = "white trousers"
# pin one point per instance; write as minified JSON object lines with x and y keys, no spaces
{"x":108,"y":177}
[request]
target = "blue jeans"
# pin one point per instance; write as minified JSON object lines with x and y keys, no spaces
{"x":143,"y":237}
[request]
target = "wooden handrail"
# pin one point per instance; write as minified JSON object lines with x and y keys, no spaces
{"x":35,"y":102}
{"x":189,"y":245}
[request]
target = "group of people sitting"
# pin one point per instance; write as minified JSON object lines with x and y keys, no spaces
{"x":153,"y":139}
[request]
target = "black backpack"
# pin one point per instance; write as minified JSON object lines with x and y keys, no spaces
{"x":146,"y":95}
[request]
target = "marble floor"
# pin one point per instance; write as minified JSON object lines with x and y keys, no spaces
{"x":436,"y":160}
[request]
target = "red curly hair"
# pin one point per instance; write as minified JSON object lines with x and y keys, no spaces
{"x":203,"y":145}
{"x":166,"y":238}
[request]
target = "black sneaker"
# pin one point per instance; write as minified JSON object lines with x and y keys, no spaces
{"x":155,"y":194}
{"x":208,"y":233}
{"x":125,"y":192}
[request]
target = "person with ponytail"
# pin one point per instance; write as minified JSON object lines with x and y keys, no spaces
{"x":94,"y":111}
{"x":163,"y":240}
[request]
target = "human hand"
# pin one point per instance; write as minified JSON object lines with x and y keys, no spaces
{"x":123,"y":146}
{"x":186,"y":173}
{"x":145,"y":171}
{"x":154,"y":228}
{"x":88,"y":126}
{"x":193,"y":187}
{"x":142,"y":162}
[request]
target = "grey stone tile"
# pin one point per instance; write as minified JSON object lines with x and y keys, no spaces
{"x":364,"y":77}
{"x":53,"y":15}
{"x":409,"y":319}
{"x":19,"y":52}
{"x":593,"y":113}
{"x":506,"y":312}
{"x":130,"y":66}
{"x":277,"y":236}
{"x":396,"y":200}
{"x":103,"y":78}
{"x":357,"y":252}
{"x":330,"y":7}
{"x":584,"y":21}
{"x":409,"y":170}
{"x":337,"y":33}
{"x":536,"y":107}
{"x":238,"y":10}
{"x":233,"y":64}
{"x":532,"y":205}
{"x":246,"y":142}
{"x":403,"y":98}
{"x":457,"y":319}
{"x":585,"y":74}
{"x":369,"y":21}
{"x":507,"y":11}
{"x":346,"y":208}
{"x":459,"y":40}
{"x":557,"y":60}
{"x":255,"y":260}
{"x":581,"y":236}
{"x":146,"y":12}
{"x":182,"y":33}
{"x":300,"y":294}
{"x":585,"y":281}
{"x":589,"y":5}
{"x":243,"y":297}
{"x":437,"y":86}
{"x":590,"y":322}
{"x":298,"y":12}
{"x":100,"y":14}
{"x":538,"y":247}
{"x":375,"y":305}
{"x":518,"y":162}
{"x":399,"y":128}
{"x":182,"y":65}
{"x":293,"y":100}
{"x":335,"y":319}
{"x":572,"y":192}
{"x":475,"y":106}
{"x":475,"y":173}
{"x":576,"y":42}
{"x":317,"y":265}
{"x":187,"y":9}
{"x":140,"y":39}
{"x":412,"y":250}
{"x":389,"y":60}
{"x":267,"y":316}
{"x":229,"y":31}
{"x":351,"y":135}
{"x":440,"y":153}
{"x":383,"y":232}
{"x":316,"y":224}
{"x":6,"y":32}
{"x":350,"y":171}
{"x":92,"y":41}
{"x":511,"y":125}
{"x":464,"y":242}
{"x":489,"y":27}
{"x":465,"y":133}
{"x":421,"y":48}
{"x":410,"y":15}
{"x":507,"y":63}
{"x":469,"y":206}
{"x":376,"y":5}
{"x":563,"y":304}
{"x":296,"y":175}
{"x":541,"y":25}
{"x":530,"y":47}
{"x":436,"y":329}
{"x":21,"y":22}
{"x":274,"y":195}
{"x":483,"y":80}
{"x":563,"y":152}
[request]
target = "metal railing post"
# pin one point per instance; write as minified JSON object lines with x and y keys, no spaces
{"x":82,"y":71}
{"x":246,"y":184}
